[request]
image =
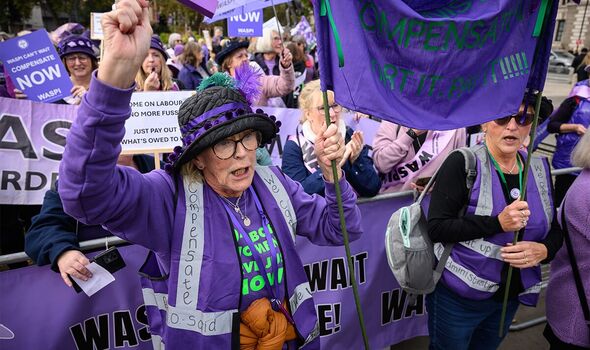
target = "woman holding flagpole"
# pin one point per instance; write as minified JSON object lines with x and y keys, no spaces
{"x":223,"y":271}
{"x":465,"y":308}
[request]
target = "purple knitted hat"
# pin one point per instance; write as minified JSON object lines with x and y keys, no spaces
{"x":75,"y":44}
{"x":178,"y":49}
{"x":156,"y":44}
{"x":220,"y":108}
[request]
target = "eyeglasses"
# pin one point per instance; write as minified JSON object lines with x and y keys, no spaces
{"x":335,"y":107}
{"x":225,"y":149}
{"x":276,"y":38}
{"x":522,"y":119}
{"x":73,"y":58}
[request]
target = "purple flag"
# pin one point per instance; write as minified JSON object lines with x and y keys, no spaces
{"x":303,"y":28}
{"x":430,"y":65}
{"x":35,"y":67}
{"x":206,"y":7}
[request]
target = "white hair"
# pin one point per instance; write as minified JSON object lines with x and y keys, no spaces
{"x":172,"y":39}
{"x":264,"y":44}
{"x":581,"y":154}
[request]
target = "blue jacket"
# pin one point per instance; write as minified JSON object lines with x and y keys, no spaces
{"x":53,"y":231}
{"x":190,"y":77}
{"x":361,"y":175}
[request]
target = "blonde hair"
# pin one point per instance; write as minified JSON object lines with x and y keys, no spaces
{"x":191,"y":172}
{"x":165,"y":76}
{"x":306,"y":97}
{"x":581,"y":154}
{"x":585,"y":61}
{"x":264,"y":44}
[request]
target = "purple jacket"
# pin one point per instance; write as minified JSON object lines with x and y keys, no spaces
{"x":140,"y":208}
{"x":564,"y":312}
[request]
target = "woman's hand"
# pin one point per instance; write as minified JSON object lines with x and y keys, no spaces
{"x":127,"y":34}
{"x":329,"y":146}
{"x":524,"y":254}
{"x":353,"y":148}
{"x":514,"y":216}
{"x":78,"y":91}
{"x":286,"y":58}
{"x":73,"y":262}
{"x":19,"y":94}
{"x":152,"y":82}
{"x":580,"y":129}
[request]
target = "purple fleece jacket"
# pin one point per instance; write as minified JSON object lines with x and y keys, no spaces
{"x":139,"y":207}
{"x":564,"y":312}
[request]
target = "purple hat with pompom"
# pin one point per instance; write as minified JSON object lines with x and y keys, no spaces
{"x":222,"y":107}
{"x":76,"y":44}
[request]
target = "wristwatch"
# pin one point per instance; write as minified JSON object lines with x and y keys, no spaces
{"x":411,"y":133}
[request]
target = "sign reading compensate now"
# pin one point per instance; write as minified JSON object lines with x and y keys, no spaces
{"x":246,"y":24}
{"x":35,"y":68}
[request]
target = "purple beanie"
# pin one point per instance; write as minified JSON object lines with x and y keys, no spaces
{"x":178,"y":49}
{"x":76,"y":44}
{"x":156,"y":44}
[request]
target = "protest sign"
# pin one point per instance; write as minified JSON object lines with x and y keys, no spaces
{"x":32,"y":140}
{"x":239,"y":7}
{"x":95,"y":26}
{"x":444,"y":65}
{"x":247,"y":24}
{"x":35,"y":67}
{"x":153,"y":126}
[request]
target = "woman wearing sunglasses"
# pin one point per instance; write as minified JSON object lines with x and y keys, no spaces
{"x":569,"y":122}
{"x":465,"y":308}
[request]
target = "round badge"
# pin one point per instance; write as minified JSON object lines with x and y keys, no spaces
{"x":514,"y":193}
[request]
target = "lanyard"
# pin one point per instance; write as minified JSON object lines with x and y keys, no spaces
{"x":503,"y":179}
{"x":275,"y":299}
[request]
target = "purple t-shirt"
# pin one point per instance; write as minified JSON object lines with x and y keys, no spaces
{"x":271,"y":65}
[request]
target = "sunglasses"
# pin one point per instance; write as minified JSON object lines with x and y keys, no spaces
{"x":522,"y":119}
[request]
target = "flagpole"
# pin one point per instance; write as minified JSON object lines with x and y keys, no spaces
{"x":546,"y":4}
{"x":351,"y":273}
{"x":527,"y":165}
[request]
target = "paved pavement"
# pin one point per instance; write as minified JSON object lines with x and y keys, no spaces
{"x":557,"y":87}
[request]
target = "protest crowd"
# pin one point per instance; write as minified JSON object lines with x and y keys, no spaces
{"x":229,"y":232}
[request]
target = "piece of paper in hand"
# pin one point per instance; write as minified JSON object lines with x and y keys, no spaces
{"x":100,"y":279}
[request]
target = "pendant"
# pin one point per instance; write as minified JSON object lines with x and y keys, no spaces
{"x":237,"y":209}
{"x":246,"y":221}
{"x":514,"y":193}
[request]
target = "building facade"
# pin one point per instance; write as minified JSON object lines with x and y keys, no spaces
{"x":572,"y":27}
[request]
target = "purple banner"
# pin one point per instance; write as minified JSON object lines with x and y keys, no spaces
{"x":35,"y":67}
{"x":32,"y":140}
{"x":41,"y":312}
{"x":33,"y":135}
{"x":37,"y":310}
{"x":247,"y":24}
{"x":428,"y":64}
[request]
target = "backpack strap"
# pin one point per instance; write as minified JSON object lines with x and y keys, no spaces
{"x":471,"y":172}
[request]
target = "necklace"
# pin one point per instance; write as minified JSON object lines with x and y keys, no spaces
{"x":505,"y":168}
{"x":237,"y":209}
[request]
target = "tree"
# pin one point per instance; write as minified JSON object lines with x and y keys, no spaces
{"x":13,"y":13}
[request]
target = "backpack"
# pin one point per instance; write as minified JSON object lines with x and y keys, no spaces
{"x":409,"y":250}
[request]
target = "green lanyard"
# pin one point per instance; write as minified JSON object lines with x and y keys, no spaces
{"x":503,"y":179}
